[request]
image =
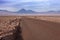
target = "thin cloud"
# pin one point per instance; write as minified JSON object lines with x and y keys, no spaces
{"x":38,"y":5}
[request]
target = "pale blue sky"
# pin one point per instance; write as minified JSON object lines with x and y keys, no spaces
{"x":36,"y":5}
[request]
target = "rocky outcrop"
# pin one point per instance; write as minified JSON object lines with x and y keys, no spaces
{"x":11,"y":30}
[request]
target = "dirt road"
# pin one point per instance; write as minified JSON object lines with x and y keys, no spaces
{"x":34,"y":29}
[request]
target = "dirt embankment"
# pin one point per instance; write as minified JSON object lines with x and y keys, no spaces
{"x":10,"y":29}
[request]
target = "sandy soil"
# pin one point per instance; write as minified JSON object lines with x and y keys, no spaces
{"x":35,"y":29}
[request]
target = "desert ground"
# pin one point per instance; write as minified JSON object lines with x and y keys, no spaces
{"x":31,"y":27}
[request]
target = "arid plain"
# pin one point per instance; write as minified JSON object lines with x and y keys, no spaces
{"x":32,"y":27}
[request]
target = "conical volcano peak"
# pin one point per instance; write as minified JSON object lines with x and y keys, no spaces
{"x":25,"y":11}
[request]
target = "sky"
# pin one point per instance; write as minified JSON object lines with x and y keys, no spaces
{"x":36,"y":5}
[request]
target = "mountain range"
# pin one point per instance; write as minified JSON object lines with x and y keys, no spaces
{"x":20,"y":11}
{"x":24,"y":11}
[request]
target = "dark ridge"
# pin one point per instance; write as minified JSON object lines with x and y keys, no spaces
{"x":17,"y":34}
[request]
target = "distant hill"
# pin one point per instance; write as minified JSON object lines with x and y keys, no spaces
{"x":6,"y":13}
{"x":53,"y":11}
{"x":3,"y":11}
{"x":25,"y":11}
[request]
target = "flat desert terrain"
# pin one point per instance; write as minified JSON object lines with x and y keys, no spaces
{"x":32,"y":27}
